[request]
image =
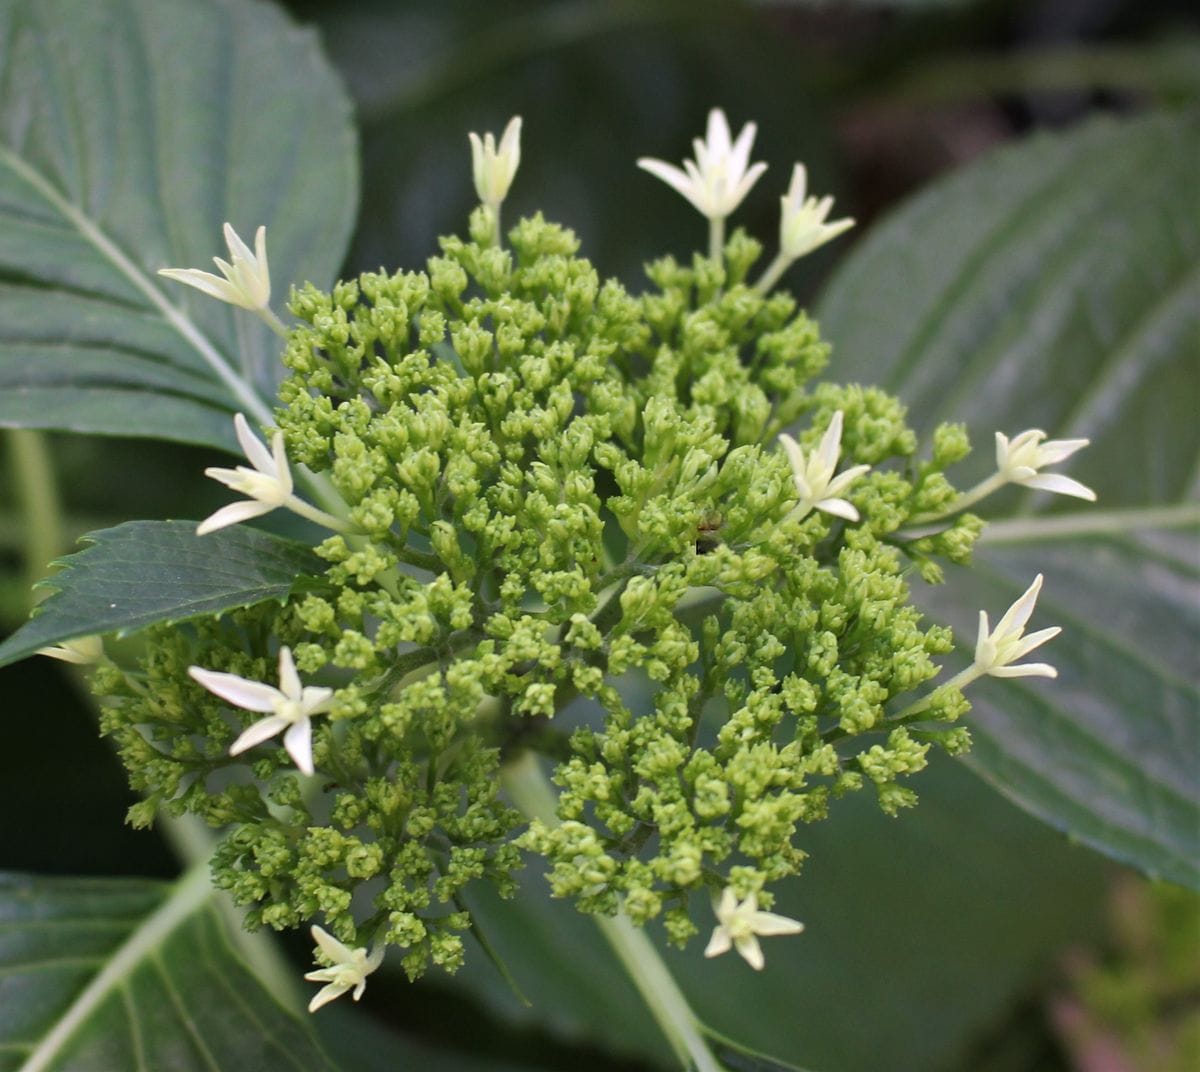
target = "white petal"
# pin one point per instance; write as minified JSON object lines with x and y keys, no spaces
{"x":1025,"y":670}
{"x":233,"y":514}
{"x":837,"y":507}
{"x":327,"y":994}
{"x":843,"y":480}
{"x":1060,"y":485}
{"x":250,"y":695}
{"x":289,"y":680}
{"x":674,"y":178}
{"x":510,"y":148}
{"x":831,"y":443}
{"x":751,"y":952}
{"x":316,"y":699}
{"x":1056,"y":450}
{"x":262,"y":730}
{"x":739,"y":153}
{"x":330,"y":946}
{"x":1034,"y":640}
{"x":298,"y":742}
{"x":743,"y":188}
{"x":212,"y":285}
{"x":983,"y":645}
{"x":1001,"y":449}
{"x":253,"y":447}
{"x":768,"y":924}
{"x":238,"y":249}
{"x":795,"y":193}
{"x":719,"y":943}
{"x":1019,"y":613}
{"x":279,"y":466}
{"x":359,"y":988}
{"x":717,"y":136}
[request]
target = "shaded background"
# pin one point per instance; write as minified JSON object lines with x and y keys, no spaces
{"x":961,"y":936}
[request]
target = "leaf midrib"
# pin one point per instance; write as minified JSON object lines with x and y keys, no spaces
{"x":187,"y":897}
{"x":1090,"y":523}
{"x":245,"y":395}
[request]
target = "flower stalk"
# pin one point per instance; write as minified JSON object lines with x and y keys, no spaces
{"x":532,"y":794}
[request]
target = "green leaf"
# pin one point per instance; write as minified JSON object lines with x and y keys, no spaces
{"x":143,"y":572}
{"x":129,"y":133}
{"x":1056,"y":284}
{"x":105,"y":974}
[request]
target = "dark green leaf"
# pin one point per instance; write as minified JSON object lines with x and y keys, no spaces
{"x":1056,"y":284}
{"x":143,"y":572}
{"x":129,"y":133}
{"x":100,"y":975}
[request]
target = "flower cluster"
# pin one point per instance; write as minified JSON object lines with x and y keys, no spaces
{"x":572,"y":522}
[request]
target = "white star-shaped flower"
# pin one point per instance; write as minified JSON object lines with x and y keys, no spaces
{"x":269,"y":485}
{"x":739,"y":924}
{"x":290,"y":707}
{"x":493,"y":168}
{"x":996,"y":650}
{"x":246,"y":282}
{"x":350,"y":969}
{"x":1019,"y":461}
{"x":720,"y":176}
{"x":816,"y":485}
{"x":802,"y":226}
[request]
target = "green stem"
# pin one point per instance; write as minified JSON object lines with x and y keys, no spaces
{"x":775,"y":269}
{"x":37,"y":499}
{"x":968,"y":498}
{"x":273,"y":322}
{"x":716,"y":238}
{"x":532,"y":793}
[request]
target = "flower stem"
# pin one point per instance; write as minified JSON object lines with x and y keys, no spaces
{"x":968,"y":498}
{"x":716,"y":238}
{"x":273,"y":322}
{"x":531,"y":792}
{"x":317,"y":515}
{"x":37,"y":496}
{"x":775,"y":269}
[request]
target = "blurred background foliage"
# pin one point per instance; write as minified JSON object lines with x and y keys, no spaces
{"x":963,"y":935}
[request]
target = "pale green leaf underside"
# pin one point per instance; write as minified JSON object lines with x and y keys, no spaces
{"x":129,"y":133}
{"x":107,"y":975}
{"x":143,"y":572}
{"x":1056,"y":284}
